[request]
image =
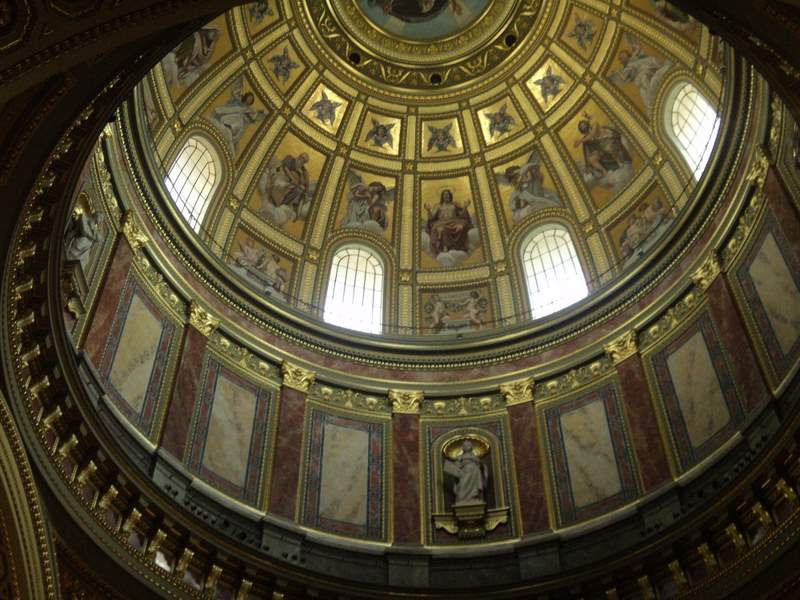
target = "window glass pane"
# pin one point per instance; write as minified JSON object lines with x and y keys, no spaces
{"x":191,"y":181}
{"x":552,"y":270}
{"x":695,"y":125}
{"x":355,"y":290}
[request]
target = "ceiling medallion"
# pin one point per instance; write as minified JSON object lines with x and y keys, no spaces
{"x":422,"y":45}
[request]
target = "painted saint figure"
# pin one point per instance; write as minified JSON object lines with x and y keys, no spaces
{"x":367,"y":206}
{"x":286,"y":189}
{"x":448,"y":225}
{"x":235,"y":116}
{"x":644,"y":71}
{"x":606,"y":159}
{"x":187,"y":61}
{"x":530,"y":193}
{"x":471,"y":476}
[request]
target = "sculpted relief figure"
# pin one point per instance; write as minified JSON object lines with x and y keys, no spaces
{"x":83,"y":233}
{"x":471,"y":476}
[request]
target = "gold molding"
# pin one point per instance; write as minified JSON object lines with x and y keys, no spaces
{"x":708,"y":272}
{"x":296,"y":377}
{"x":623,"y":347}
{"x":518,"y":392}
{"x":133,"y":232}
{"x":201,"y":320}
{"x":405,"y":402}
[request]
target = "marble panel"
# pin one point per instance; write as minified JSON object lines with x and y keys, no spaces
{"x":778,"y":292}
{"x":591,"y":455}
{"x":406,"y":476}
{"x":229,"y":432}
{"x":288,"y":454}
{"x":530,"y":469}
{"x":768,"y":281}
{"x":694,"y":379}
{"x":593,"y":473}
{"x":345,"y":475}
{"x":698,"y":390}
{"x":135,"y":358}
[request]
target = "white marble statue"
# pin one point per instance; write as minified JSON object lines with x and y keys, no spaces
{"x":471,"y":475}
{"x":83,"y":233}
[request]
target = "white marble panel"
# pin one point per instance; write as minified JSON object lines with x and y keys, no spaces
{"x":136,"y":354}
{"x":593,"y":469}
{"x":698,"y":390}
{"x":345,"y":474}
{"x":230,"y":430}
{"x":778,"y":292}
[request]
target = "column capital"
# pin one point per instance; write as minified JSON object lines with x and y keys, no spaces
{"x":518,"y":392}
{"x":201,"y":320}
{"x":406,"y":402}
{"x":708,"y":272}
{"x":623,"y":347}
{"x":296,"y":377}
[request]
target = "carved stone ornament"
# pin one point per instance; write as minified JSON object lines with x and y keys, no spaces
{"x":132,"y":232}
{"x":405,"y":402}
{"x":202,"y":320}
{"x":623,"y":347}
{"x":296,"y":377}
{"x":758,"y":171}
{"x":707,"y":273}
{"x":518,"y":392}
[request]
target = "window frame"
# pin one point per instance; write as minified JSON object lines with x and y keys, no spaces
{"x":191,"y":216}
{"x":331,"y":315}
{"x":696,"y":165}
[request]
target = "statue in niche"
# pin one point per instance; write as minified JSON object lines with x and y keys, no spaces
{"x":470,"y":473}
{"x":83,"y":233}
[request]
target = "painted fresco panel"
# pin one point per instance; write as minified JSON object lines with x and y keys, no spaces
{"x":229,"y":433}
{"x":261,"y":266}
{"x":344,"y":475}
{"x":136,"y":354}
{"x":769,"y":280}
{"x":592,"y":459}
{"x":702,"y":404}
{"x":450,"y":311}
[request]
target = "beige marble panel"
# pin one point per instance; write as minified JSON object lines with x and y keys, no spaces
{"x":136,"y":353}
{"x":593,"y":469}
{"x":778,"y":292}
{"x":229,"y":431}
{"x":698,"y":390}
{"x":345,"y":472}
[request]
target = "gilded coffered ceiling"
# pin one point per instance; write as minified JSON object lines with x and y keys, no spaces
{"x":348,"y":122}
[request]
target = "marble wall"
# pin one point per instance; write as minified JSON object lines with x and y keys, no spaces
{"x":135,"y":358}
{"x":768,"y":283}
{"x":693,"y":378}
{"x":229,"y":432}
{"x":344,"y":475}
{"x":591,"y":464}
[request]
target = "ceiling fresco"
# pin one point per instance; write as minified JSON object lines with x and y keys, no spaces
{"x":329,"y":134}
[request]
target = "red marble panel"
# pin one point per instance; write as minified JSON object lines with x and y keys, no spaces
{"x":734,"y":336}
{"x":781,"y":205}
{"x":106,"y":307}
{"x":405,"y":439}
{"x":530,"y":470}
{"x":288,"y":453}
{"x":184,"y":395}
{"x":641,"y":416}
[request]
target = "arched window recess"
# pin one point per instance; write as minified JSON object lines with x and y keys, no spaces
{"x":692,"y":123}
{"x":193,"y":179}
{"x":354,"y":297}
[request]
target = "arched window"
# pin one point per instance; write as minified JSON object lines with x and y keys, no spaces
{"x":552,"y":270}
{"x":192,"y":180}
{"x":693,"y":124}
{"x":355,"y":290}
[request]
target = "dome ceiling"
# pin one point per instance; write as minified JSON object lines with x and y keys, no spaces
{"x":349,"y":122}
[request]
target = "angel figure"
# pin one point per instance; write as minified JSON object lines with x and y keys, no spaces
{"x":286,"y":189}
{"x":324,"y":109}
{"x":367,"y":206}
{"x":500,"y":121}
{"x":644,"y":71}
{"x":283,"y":65}
{"x":235,"y":116}
{"x":441,"y":138}
{"x":530,"y":193}
{"x":259,"y":9}
{"x":550,"y":84}
{"x":381,"y":134}
{"x":583,"y":32}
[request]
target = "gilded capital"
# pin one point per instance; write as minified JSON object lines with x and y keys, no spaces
{"x":707,"y":273}
{"x":405,"y":402}
{"x":132,"y":232}
{"x":296,"y":377}
{"x":201,"y":320}
{"x":623,"y":347}
{"x":518,"y":392}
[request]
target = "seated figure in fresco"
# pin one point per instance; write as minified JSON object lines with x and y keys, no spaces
{"x":186,"y":62}
{"x":604,"y":154}
{"x":530,"y":193}
{"x":641,"y":69}
{"x":235,"y":116}
{"x":290,"y":182}
{"x":448,"y":225}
